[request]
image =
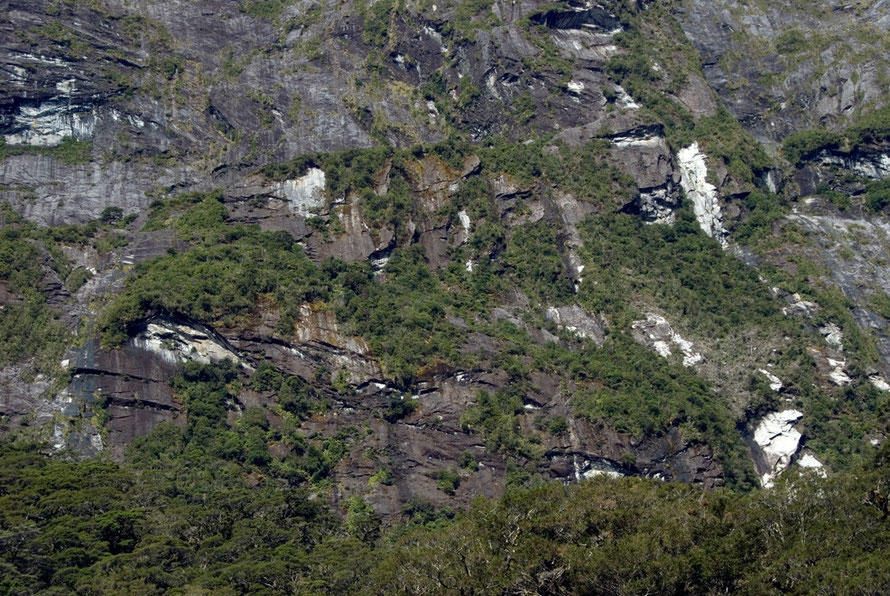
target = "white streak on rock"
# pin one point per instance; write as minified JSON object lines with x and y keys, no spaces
{"x":589,"y":469}
{"x":703,"y":194}
{"x":838,"y":376}
{"x":876,"y":167}
{"x":800,"y":307}
{"x":663,"y":348}
{"x":43,"y":59}
{"x":879,"y":383}
{"x":774,"y":382}
{"x":47,"y":124}
{"x":578,"y":321}
{"x":779,"y":440}
{"x":575,"y":87}
{"x":305,"y":195}
{"x":624,"y":100}
{"x":177,"y":343}
{"x":66,"y":87}
{"x":658,"y":333}
{"x":379,"y":264}
{"x":809,"y":461}
{"x":833,"y":335}
{"x":464,"y":220}
{"x":638,"y":141}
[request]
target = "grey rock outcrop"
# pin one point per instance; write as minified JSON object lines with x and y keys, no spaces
{"x":645,"y":156}
{"x":576,"y":320}
{"x":852,"y":251}
{"x":657,"y":333}
{"x":779,"y":443}
{"x":774,"y":71}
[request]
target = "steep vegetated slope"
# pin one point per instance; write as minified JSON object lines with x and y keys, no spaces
{"x":390,"y":256}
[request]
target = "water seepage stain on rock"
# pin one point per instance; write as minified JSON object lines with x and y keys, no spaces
{"x":597,"y":19}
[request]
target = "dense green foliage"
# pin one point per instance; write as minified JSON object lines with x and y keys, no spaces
{"x":632,"y":267}
{"x":763,"y":210}
{"x":631,"y":536}
{"x":28,"y":256}
{"x":238,"y":499}
{"x":496,"y":417}
{"x":469,"y":16}
{"x":263,"y":9}
{"x":724,"y":139}
{"x":877,"y":195}
{"x":800,"y":146}
{"x":407,"y":312}
{"x":404,"y":318}
{"x":206,"y":506}
{"x":221,"y":279}
{"x":684,"y":271}
{"x":177,"y":520}
{"x":581,"y":171}
{"x":543,"y":276}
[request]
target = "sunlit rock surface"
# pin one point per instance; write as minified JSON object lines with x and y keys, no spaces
{"x":779,"y":440}
{"x":656,"y":332}
{"x":694,"y":179}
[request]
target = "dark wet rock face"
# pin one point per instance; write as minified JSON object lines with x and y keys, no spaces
{"x":131,"y":383}
{"x":593,"y":18}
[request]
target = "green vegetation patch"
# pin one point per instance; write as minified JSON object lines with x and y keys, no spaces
{"x":218,"y":282}
{"x":28,"y":254}
{"x":532,"y":258}
{"x":70,"y":151}
{"x":632,"y":536}
{"x":263,"y":9}
{"x":678,"y":268}
{"x":469,"y":17}
{"x":870,"y":128}
{"x":496,"y":416}
{"x":403,"y":316}
{"x":230,"y":268}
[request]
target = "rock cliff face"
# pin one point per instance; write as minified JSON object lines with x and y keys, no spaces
{"x":129,"y":116}
{"x":785,"y":66}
